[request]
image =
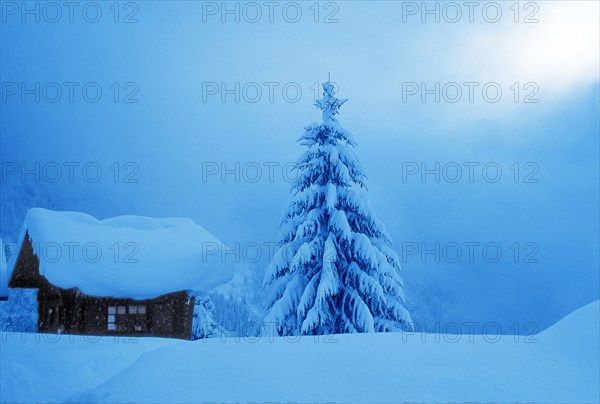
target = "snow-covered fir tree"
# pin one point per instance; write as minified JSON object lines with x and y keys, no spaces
{"x":203,"y":323}
{"x":335,"y":270}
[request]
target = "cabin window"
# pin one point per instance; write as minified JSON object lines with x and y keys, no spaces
{"x":119,"y":320}
{"x":111,"y":319}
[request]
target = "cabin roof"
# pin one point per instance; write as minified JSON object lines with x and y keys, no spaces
{"x":126,"y":256}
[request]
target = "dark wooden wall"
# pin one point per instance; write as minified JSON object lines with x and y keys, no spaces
{"x":26,"y":273}
{"x":73,"y":312}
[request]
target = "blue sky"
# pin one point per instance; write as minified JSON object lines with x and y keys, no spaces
{"x":177,"y":51}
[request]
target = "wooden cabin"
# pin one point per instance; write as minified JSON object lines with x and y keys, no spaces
{"x":70,"y":310}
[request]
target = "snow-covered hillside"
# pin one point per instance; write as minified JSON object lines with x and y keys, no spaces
{"x":560,"y":364}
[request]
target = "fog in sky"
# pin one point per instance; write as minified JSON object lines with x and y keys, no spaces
{"x":187,"y":92}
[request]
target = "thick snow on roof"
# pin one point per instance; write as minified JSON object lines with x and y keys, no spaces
{"x":126,"y":256}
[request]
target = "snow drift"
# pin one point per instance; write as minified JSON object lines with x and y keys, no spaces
{"x":560,"y":364}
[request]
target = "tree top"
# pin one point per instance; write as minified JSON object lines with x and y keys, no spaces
{"x":329,"y":103}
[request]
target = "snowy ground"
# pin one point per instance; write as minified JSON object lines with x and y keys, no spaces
{"x":560,"y":364}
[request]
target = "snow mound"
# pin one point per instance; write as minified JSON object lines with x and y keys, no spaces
{"x":567,"y":327}
{"x":126,"y":256}
{"x":390,"y":367}
{"x":55,"y":366}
